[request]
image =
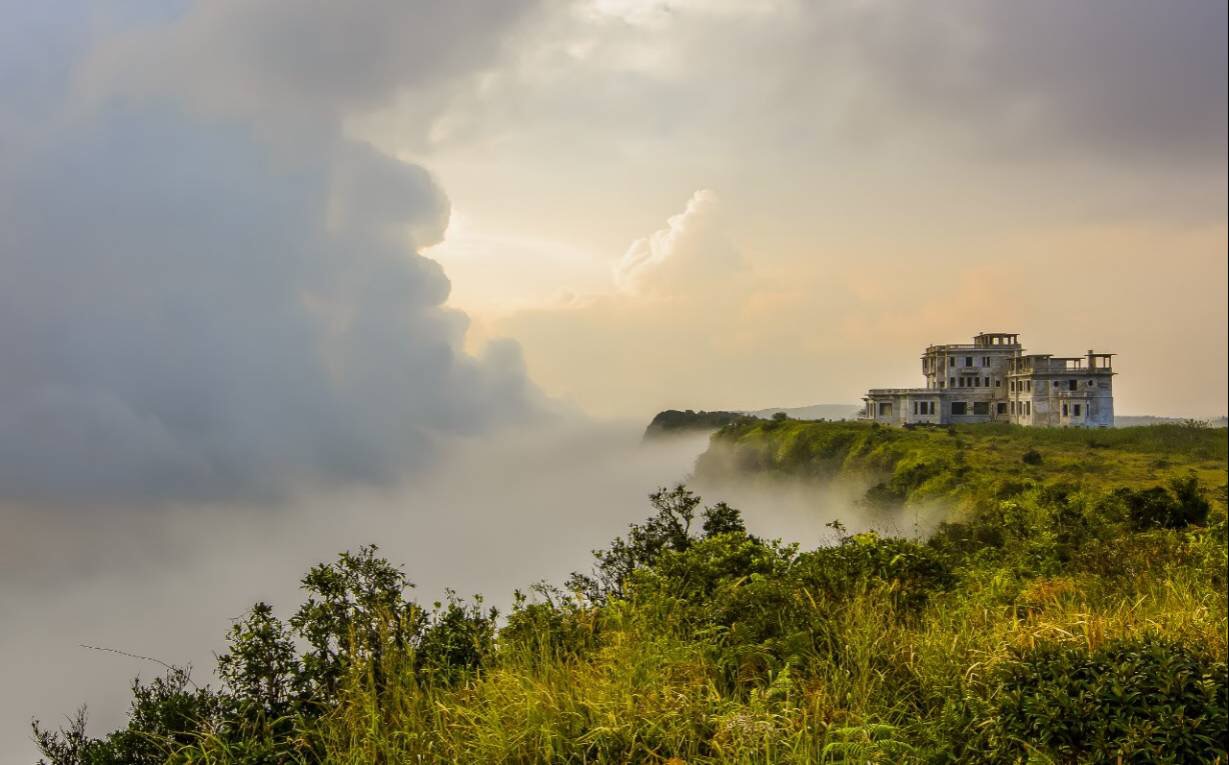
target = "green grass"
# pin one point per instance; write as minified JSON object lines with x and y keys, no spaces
{"x":966,"y":462}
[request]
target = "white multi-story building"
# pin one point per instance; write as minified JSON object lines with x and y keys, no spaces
{"x":993,"y":380}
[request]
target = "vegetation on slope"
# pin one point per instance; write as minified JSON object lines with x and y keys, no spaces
{"x":1063,"y":616}
{"x":673,"y":422}
{"x":968,"y":465}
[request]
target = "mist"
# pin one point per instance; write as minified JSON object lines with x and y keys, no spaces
{"x":493,"y":515}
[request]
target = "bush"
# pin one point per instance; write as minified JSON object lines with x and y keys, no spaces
{"x":1145,"y":699}
{"x":1182,"y":505}
{"x":164,"y":716}
{"x":911,"y":571}
{"x":1032,"y":457}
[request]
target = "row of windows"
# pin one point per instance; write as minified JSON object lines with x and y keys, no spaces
{"x":1027,"y":385}
{"x":1073,"y":384}
{"x":971,"y":382}
{"x":963,"y":408}
{"x":951,"y":362}
{"x":968,"y":361}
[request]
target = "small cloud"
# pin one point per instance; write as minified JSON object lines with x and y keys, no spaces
{"x":692,"y":252}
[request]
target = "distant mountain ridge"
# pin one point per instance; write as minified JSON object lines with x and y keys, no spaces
{"x":814,"y":412}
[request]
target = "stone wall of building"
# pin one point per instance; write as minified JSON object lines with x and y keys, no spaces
{"x":992,"y":380}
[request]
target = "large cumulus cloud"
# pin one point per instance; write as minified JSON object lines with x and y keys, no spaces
{"x":191,"y":308}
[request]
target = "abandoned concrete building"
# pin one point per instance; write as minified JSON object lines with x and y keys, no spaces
{"x":993,"y":380}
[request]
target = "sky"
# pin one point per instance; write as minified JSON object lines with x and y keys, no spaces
{"x":282,"y":278}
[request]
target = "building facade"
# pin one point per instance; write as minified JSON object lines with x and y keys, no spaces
{"x":993,"y":380}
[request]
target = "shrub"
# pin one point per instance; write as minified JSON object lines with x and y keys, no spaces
{"x":1182,"y":505}
{"x":458,"y":638}
{"x":164,"y":716}
{"x":1032,"y":457}
{"x":1144,"y":699}
{"x":912,"y":571}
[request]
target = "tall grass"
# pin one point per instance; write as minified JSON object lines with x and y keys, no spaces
{"x":877,"y":690}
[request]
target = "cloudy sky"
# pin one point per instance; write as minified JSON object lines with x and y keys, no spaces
{"x":259,"y":254}
{"x":245,"y":242}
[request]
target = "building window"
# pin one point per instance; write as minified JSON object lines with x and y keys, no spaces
{"x":998,"y":383}
{"x":968,"y":361}
{"x":951,"y":361}
{"x":1064,"y":410}
{"x":985,"y":361}
{"x":915,"y":407}
{"x":981,"y":407}
{"x":959,"y":408}
{"x":1002,"y":407}
{"x":885,"y":409}
{"x":1028,"y":385}
{"x":1072,"y":384}
{"x":1075,"y":410}
{"x":1056,"y":383}
{"x":952,"y":381}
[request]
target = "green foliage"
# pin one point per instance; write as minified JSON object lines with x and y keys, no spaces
{"x":909,"y":571}
{"x":962,"y":463}
{"x":163,"y":718}
{"x":1182,"y":505}
{"x":261,"y":671}
{"x":670,"y":529}
{"x":871,"y":743}
{"x":673,"y":422}
{"x":355,"y":611}
{"x":1071,"y":611}
{"x":457,"y":639}
{"x":1145,"y":700}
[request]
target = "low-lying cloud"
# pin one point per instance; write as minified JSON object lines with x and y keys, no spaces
{"x":494,"y":514}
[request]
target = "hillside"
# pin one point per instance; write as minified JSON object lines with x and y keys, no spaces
{"x":673,"y":422}
{"x":1072,"y":609}
{"x":965,"y":463}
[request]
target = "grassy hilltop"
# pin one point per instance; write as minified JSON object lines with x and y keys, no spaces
{"x":966,"y":463}
{"x":1071,"y":609}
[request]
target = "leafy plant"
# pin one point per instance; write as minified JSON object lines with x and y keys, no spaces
{"x":1145,"y":699}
